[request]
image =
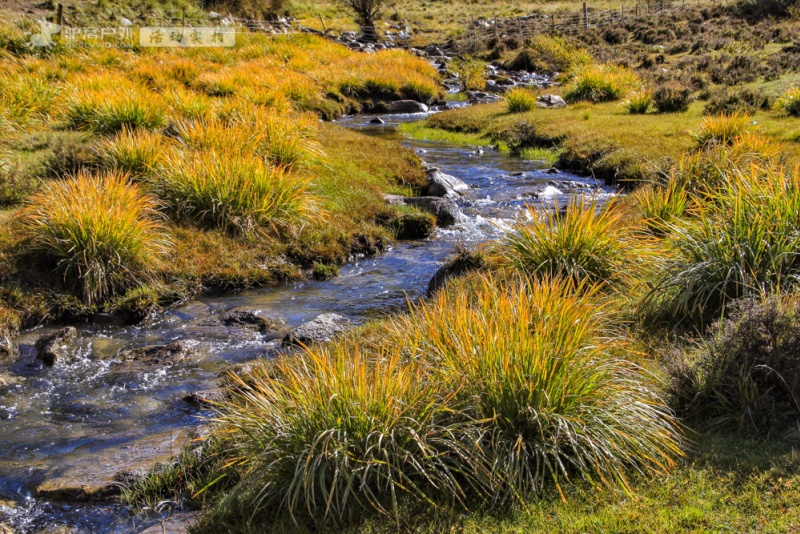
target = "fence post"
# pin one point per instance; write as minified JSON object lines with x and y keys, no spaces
{"x":622,"y":11}
{"x":553,"y":19}
{"x":585,"y":17}
{"x":60,"y":15}
{"x":521,"y":35}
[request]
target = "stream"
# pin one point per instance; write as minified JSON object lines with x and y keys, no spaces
{"x":82,"y":420}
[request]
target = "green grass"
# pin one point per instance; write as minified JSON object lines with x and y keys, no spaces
{"x":790,"y":102}
{"x":600,"y":83}
{"x":638,"y":103}
{"x":110,"y":111}
{"x":520,"y":100}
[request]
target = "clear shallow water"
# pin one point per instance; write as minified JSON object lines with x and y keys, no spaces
{"x":91,"y":409}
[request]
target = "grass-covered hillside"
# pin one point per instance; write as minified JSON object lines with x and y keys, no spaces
{"x":131,"y":178}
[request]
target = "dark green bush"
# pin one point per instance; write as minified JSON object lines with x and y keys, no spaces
{"x":747,"y":373}
{"x":671,"y":97}
{"x":746,"y":101}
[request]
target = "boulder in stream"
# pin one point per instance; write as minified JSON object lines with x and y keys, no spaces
{"x":320,"y":330}
{"x":443,"y":185}
{"x":158,"y":355}
{"x":407,"y":106}
{"x":51,"y":347}
{"x":444,"y":209}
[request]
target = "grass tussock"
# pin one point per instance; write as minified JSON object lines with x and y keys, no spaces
{"x":135,"y":152}
{"x":601,"y":83}
{"x":639,"y":102}
{"x":722,"y":129}
{"x":790,"y":102}
{"x":485,"y":393}
{"x":110,"y":111}
{"x":660,"y":205}
{"x":239,"y":193}
{"x":103,"y":232}
{"x":587,"y":243}
{"x":741,"y":240}
{"x":520,"y":100}
{"x":549,"y":54}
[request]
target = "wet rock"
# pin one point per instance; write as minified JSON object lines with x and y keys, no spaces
{"x":444,"y":209}
{"x":377,"y":120}
{"x":551,"y":102}
{"x":8,"y":349}
{"x":320,"y":330}
{"x":8,"y":380}
{"x":443,"y":185}
{"x":552,"y":170}
{"x":53,"y":346}
{"x":459,"y":265}
{"x":176,"y":524}
{"x":97,"y":476}
{"x":207,"y":397}
{"x":158,"y":355}
{"x":247,"y":316}
{"x":413,"y":225}
{"x":408,"y":106}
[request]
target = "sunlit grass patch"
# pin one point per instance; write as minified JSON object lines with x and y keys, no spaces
{"x":601,"y":83}
{"x":103,"y":232}
{"x":639,"y":102}
{"x":520,"y":100}
{"x":237,"y":192}
{"x":109,"y":111}
{"x":722,"y":129}
{"x":131,"y":151}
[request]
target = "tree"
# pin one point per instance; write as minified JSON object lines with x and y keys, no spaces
{"x":367,"y":12}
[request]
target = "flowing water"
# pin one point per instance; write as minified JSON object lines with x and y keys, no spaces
{"x":91,"y":413}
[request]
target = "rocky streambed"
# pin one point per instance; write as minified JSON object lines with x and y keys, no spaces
{"x":86,"y":408}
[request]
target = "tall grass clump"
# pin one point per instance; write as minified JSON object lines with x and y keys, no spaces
{"x":231,"y":191}
{"x":790,"y":102}
{"x":639,"y":102}
{"x":672,"y":97}
{"x":742,"y":239}
{"x":103,"y":232}
{"x":131,"y":151}
{"x":601,"y":83}
{"x":660,"y":205}
{"x":543,"y":383}
{"x":549,"y":54}
{"x":721,"y":129}
{"x":336,"y":431}
{"x":587,"y":243}
{"x":493,"y":391}
{"x":109,"y":111}
{"x":520,"y":100}
{"x":471,"y":74}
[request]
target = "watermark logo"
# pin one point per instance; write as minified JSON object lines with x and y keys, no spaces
{"x":44,"y":39}
{"x":180,"y":37}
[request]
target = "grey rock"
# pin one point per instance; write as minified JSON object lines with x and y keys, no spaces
{"x":322,"y":329}
{"x":394,"y":200}
{"x":207,"y":397}
{"x":551,"y":102}
{"x":158,"y":355}
{"x":54,"y":346}
{"x":444,"y":209}
{"x":408,"y":106}
{"x":443,"y":185}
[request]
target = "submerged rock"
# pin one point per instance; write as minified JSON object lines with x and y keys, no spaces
{"x":320,"y":330}
{"x":98,"y":476}
{"x":247,"y":316}
{"x":459,"y":265}
{"x":54,"y":346}
{"x":407,"y":106}
{"x":158,"y":355}
{"x":443,"y":185}
{"x":444,"y":209}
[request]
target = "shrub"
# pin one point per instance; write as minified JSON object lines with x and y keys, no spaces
{"x":742,"y":240}
{"x":588,"y":243}
{"x":103,"y":232}
{"x":471,"y":74}
{"x":671,"y":98}
{"x":489,"y":392}
{"x":549,"y":54}
{"x":16,"y":182}
{"x":109,"y":111}
{"x":603,"y":83}
{"x":134,"y":152}
{"x":721,"y":129}
{"x":790,"y":102}
{"x":520,"y":100}
{"x":747,"y":372}
{"x":236,"y":192}
{"x":638,"y":103}
{"x":745,"y":102}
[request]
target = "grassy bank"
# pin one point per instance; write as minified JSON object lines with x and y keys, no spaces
{"x":220,"y":162}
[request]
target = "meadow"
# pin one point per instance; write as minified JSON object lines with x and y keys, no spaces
{"x":218,"y":161}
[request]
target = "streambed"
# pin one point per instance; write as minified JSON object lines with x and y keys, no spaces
{"x":80,"y":422}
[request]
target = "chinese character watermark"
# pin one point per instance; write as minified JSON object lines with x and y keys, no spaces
{"x":125,"y":36}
